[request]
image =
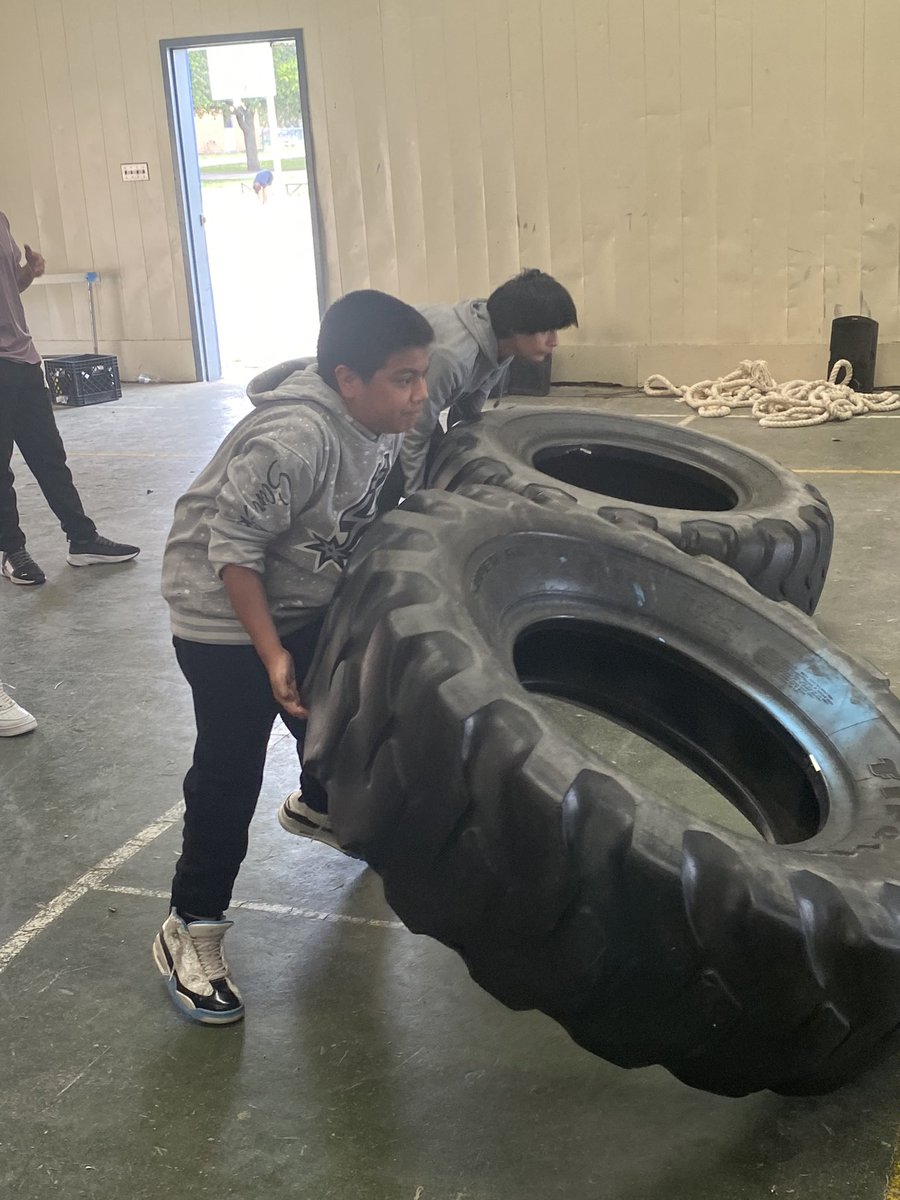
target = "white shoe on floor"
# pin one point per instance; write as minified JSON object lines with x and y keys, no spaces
{"x":295,"y":816}
{"x":14,"y":719}
{"x":189,"y":954}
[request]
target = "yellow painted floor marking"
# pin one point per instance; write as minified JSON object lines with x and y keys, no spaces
{"x":893,"y":1183}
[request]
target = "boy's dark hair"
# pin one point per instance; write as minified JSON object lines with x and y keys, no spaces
{"x":363,"y":329}
{"x":532,"y":302}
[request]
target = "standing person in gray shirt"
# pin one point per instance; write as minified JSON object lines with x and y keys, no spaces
{"x":258,"y":545}
{"x":475,"y":342}
{"x":26,"y":420}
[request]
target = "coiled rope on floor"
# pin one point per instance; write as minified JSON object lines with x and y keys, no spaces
{"x":777,"y":405}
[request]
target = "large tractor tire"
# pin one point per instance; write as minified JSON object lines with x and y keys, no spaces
{"x":704,"y":494}
{"x":651,"y":935}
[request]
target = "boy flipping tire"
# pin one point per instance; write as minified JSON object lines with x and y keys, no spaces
{"x":257,"y":547}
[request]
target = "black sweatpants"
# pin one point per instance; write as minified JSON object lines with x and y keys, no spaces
{"x":235,"y":711}
{"x":26,"y":419}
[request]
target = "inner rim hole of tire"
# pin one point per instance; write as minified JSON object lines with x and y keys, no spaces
{"x":646,"y":687}
{"x":635,"y":475}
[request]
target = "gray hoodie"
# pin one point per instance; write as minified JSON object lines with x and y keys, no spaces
{"x":287,"y":494}
{"x":463,"y":371}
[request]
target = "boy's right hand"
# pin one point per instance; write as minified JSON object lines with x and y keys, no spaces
{"x":284,"y":684}
{"x":248,"y":599}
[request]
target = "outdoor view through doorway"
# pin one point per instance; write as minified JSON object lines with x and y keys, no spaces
{"x":255,"y":198}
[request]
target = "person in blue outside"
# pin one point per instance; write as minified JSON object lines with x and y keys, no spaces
{"x":262,"y":181}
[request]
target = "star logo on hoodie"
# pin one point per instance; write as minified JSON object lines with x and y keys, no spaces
{"x":351,"y":524}
{"x":329,"y":550}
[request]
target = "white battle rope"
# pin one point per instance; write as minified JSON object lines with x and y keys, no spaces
{"x":799,"y":402}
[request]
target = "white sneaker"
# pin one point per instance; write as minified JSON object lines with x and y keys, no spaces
{"x":189,"y":954}
{"x":14,"y":719}
{"x":297,"y":817}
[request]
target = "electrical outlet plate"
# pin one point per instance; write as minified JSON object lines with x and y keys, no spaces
{"x":135,"y":172}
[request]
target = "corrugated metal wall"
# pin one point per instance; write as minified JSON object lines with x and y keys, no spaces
{"x":709,"y":177}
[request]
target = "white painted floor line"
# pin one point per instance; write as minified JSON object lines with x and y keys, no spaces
{"x":688,"y":420}
{"x":277,"y":910}
{"x":89,"y":881}
{"x":738,"y":416}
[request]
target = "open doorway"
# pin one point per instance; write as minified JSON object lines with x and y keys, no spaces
{"x":242,"y":147}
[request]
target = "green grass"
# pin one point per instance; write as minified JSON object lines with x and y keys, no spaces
{"x":287,"y":164}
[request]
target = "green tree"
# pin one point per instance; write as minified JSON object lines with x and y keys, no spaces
{"x":287,"y":96}
{"x":287,"y":84}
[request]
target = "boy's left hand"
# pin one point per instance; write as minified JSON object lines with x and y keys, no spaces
{"x":284,"y":685}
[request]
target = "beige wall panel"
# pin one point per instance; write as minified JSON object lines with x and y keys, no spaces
{"x":603,"y":364}
{"x":404,"y":148}
{"x":526,"y":62}
{"x":773,"y":74}
{"x":160,"y":23}
{"x":887,"y":366}
{"x":806,"y":116}
{"x":465,"y":148}
{"x":664,"y":171}
{"x":362,"y":37}
{"x":844,"y":113}
{"x":216,"y":16}
{"x":709,"y":177}
{"x":734,"y":177}
{"x":17,"y":197}
{"x":88,"y":129}
{"x":433,"y":100}
{"x":698,"y":169}
{"x":139,"y":86}
{"x":132,"y":270}
{"x":40,"y":136}
{"x":186,"y":18}
{"x":566,"y":260}
{"x":244,"y":16}
{"x":627,"y":164}
{"x":66,"y":156}
{"x":491,"y":37}
{"x":171,"y":360}
{"x":346,"y":198}
{"x":159,"y":360}
{"x":881,"y":171}
{"x":595,"y":107}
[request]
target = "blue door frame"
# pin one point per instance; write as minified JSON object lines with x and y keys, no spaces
{"x":179,"y":103}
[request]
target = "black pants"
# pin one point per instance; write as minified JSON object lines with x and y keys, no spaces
{"x":235,"y":711}
{"x":26,"y":419}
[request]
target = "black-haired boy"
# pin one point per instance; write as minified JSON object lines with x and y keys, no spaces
{"x":257,"y":547}
{"x":475,"y":341}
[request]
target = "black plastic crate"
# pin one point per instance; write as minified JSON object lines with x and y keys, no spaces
{"x":83,"y":378}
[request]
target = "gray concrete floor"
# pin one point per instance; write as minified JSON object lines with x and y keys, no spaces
{"x":369,"y":1065}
